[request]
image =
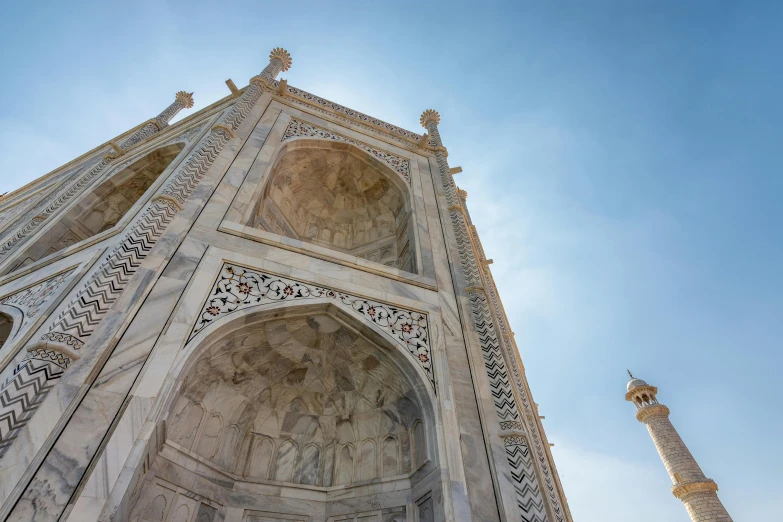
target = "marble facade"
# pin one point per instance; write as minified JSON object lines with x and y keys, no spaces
{"x":275,"y":309}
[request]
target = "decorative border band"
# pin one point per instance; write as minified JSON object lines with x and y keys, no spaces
{"x":297,"y":128}
{"x":238,"y":288}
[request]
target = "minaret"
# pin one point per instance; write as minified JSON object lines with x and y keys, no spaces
{"x":697,"y":492}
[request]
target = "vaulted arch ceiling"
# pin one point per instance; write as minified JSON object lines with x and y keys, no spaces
{"x":337,"y":196}
{"x":310,"y":385}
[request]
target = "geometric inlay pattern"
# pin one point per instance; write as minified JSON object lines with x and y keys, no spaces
{"x":529,"y":499}
{"x":237,"y":288}
{"x":528,"y":495}
{"x":22,"y":395}
{"x":299,"y":128}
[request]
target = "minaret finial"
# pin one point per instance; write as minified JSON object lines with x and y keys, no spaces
{"x":429,"y":115}
{"x":185,"y":98}
{"x":630,"y":374}
{"x":282,"y":55}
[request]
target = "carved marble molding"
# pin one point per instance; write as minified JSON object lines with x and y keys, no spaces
{"x":238,"y":288}
{"x":653,"y":410}
{"x":335,"y":107}
{"x":31,"y":299}
{"x":511,"y":425}
{"x":297,"y":128}
{"x":699,"y":486}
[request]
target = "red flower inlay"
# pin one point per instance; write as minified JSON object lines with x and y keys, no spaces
{"x":213,"y":310}
{"x":244,"y":288}
{"x":423,"y":358}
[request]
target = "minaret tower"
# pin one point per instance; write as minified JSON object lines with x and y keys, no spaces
{"x":697,"y":492}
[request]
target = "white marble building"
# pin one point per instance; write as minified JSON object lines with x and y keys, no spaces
{"x":276,"y":309}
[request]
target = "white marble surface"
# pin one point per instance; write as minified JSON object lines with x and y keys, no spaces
{"x":113,"y":418}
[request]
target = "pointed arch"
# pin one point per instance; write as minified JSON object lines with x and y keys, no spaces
{"x":339,"y":196}
{"x":209,"y":437}
{"x":286,"y":459}
{"x":11,"y":320}
{"x":366,"y":461}
{"x":103,"y":207}
{"x":259,"y":460}
{"x":311,"y":464}
{"x":345,"y":465}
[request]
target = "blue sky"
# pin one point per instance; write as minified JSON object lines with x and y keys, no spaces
{"x":622,"y":164}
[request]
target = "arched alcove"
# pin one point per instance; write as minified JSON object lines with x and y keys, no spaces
{"x":300,"y":397}
{"x":104,"y":206}
{"x":337,"y":196}
{"x":6,"y":328}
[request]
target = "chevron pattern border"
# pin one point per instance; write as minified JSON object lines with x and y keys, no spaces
{"x":529,"y":499}
{"x":22,"y":395}
{"x":505,"y":405}
{"x":78,"y":322}
{"x":530,"y":416}
{"x":528,"y":495}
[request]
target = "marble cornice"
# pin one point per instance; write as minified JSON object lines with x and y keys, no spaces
{"x":654,"y":410}
{"x":682,"y":490}
{"x":357,"y":121}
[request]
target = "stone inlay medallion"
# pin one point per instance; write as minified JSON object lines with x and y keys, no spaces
{"x":238,"y":288}
{"x":297,"y":128}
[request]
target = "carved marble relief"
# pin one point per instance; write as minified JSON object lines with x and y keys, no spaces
{"x":268,"y":402}
{"x":237,"y":288}
{"x":30,"y":300}
{"x":298,"y":128}
{"x":295,"y":399}
{"x":336,"y":107}
{"x":336,"y":197}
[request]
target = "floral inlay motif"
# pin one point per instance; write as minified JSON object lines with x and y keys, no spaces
{"x":297,"y":128}
{"x":336,"y":107}
{"x":30,"y":300}
{"x":238,"y":288}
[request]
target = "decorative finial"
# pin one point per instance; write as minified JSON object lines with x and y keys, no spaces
{"x":429,"y":115}
{"x":185,"y":98}
{"x":630,"y":374}
{"x":282,"y":55}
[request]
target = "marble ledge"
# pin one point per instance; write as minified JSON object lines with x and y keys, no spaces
{"x":325,"y":254}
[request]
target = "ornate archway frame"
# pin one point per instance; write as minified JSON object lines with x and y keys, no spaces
{"x":157,"y":385}
{"x":262,"y":313}
{"x":368,"y":148}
